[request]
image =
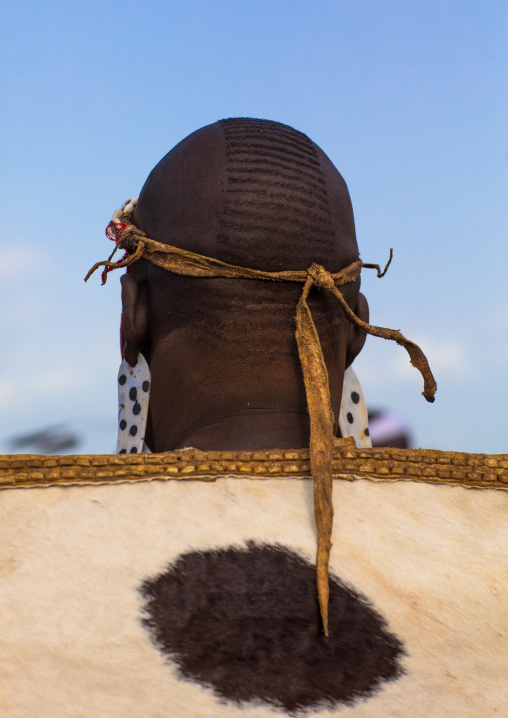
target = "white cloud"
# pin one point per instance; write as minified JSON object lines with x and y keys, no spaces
{"x":69,"y":372}
{"x":22,"y":386}
{"x":19,"y":262}
{"x":390,"y":365}
{"x":446,"y":357}
{"x":498,"y":317}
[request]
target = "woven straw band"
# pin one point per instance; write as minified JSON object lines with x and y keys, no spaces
{"x":315,"y":375}
{"x":445,"y":468}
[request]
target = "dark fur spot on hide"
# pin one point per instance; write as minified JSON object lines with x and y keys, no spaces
{"x":245,"y":622}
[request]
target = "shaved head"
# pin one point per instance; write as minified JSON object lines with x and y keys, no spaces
{"x":257,"y":194}
{"x":253,"y":193}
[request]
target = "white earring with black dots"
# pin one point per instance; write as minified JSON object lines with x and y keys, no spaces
{"x":133,"y":397}
{"x":353,"y":416}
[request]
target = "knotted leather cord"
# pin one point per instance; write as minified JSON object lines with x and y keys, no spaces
{"x":315,"y":375}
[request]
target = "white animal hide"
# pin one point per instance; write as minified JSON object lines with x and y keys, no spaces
{"x":432,"y":559}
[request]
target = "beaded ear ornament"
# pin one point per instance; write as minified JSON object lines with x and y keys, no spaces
{"x":133,"y":398}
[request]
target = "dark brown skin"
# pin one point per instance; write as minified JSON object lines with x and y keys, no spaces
{"x":222,"y":352}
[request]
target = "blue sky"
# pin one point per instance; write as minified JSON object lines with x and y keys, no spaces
{"x":409,"y":101}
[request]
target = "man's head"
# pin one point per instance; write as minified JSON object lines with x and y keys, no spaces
{"x":225,"y":370}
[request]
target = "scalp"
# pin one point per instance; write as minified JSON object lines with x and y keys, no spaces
{"x":251,"y":192}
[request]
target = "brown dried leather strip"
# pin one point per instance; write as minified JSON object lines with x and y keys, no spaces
{"x":317,"y":391}
{"x":181,"y":261}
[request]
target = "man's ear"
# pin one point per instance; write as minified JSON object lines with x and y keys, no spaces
{"x":135,"y":318}
{"x":357,"y":336}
